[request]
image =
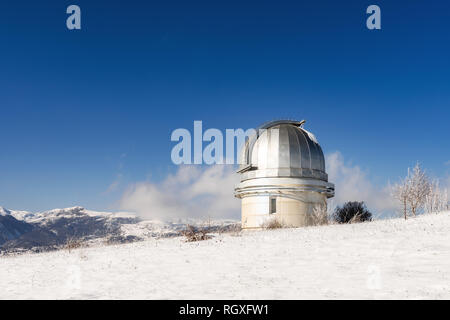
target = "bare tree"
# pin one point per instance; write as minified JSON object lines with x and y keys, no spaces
{"x":400,"y":191}
{"x":432,"y":199}
{"x":442,"y":200}
{"x":436,"y":201}
{"x":413,"y":191}
{"x":420,"y":188}
{"x":445,"y":200}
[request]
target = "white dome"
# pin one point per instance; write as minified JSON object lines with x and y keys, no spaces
{"x":283,"y":149}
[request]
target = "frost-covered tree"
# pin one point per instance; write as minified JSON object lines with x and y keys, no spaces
{"x":441,"y":202}
{"x":400,"y":192}
{"x":412,"y":191}
{"x":437,"y":199}
{"x":420,"y":188}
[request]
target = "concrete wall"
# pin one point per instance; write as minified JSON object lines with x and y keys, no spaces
{"x":290,"y":212}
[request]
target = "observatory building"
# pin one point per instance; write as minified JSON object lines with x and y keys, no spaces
{"x":283,"y":176}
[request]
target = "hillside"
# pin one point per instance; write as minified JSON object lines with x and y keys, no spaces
{"x":23,"y":231}
{"x":11,"y":228}
{"x":377,"y":260}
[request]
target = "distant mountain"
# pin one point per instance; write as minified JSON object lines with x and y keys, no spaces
{"x":70,"y":213}
{"x":24,"y":231}
{"x":11,"y":228}
{"x":19,"y":215}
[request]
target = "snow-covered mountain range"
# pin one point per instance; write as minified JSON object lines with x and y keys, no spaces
{"x":72,"y":212}
{"x":23,"y":230}
{"x":10,"y":227}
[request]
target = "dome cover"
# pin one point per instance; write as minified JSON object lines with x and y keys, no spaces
{"x":283,"y":148}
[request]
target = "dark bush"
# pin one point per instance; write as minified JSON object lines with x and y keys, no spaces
{"x":352,"y":211}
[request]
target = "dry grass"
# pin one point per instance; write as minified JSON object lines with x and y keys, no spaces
{"x":356,"y":219}
{"x":319,"y":216}
{"x":73,"y":243}
{"x":236,"y":230}
{"x":192,"y":233}
{"x":272,"y":224}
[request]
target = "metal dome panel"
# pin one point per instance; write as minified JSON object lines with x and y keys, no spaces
{"x":283,"y":149}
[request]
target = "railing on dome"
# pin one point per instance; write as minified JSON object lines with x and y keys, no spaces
{"x":274,"y":123}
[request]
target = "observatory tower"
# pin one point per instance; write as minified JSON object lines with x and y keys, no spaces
{"x":283,"y":176}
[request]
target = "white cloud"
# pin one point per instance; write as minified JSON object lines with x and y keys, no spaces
{"x":191,"y":192}
{"x":353,"y":184}
{"x":114,"y":185}
{"x":195,"y":192}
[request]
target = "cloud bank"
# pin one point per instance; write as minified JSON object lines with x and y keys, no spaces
{"x":192,"y":192}
{"x":202,"y":193}
{"x":353,"y":184}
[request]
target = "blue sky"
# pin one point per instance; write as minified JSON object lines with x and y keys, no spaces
{"x":83,"y":109}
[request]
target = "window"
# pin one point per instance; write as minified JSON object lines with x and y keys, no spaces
{"x":273,"y":205}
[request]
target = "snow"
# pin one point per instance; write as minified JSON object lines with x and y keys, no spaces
{"x":4,"y":212}
{"x":39,"y":217}
{"x":384,"y":259}
{"x":19,"y":215}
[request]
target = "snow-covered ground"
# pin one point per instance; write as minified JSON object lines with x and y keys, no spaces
{"x":378,"y":260}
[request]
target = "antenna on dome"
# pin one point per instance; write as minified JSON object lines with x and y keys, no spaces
{"x":301,"y":123}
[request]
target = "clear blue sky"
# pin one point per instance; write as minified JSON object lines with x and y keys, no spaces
{"x":80,"y":108}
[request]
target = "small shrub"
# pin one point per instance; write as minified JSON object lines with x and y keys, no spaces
{"x":120,"y":239}
{"x":352,"y":212}
{"x":319,"y":215}
{"x":195,"y":234}
{"x":73,"y":243}
{"x":272,"y":224}
{"x":234,"y":229}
